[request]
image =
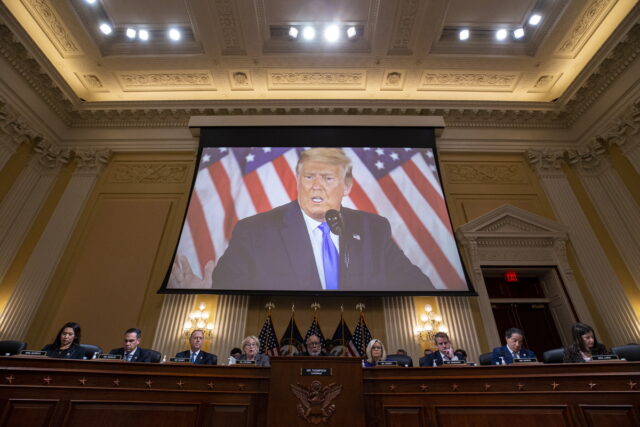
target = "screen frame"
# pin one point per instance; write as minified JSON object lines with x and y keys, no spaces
{"x":197,"y":123}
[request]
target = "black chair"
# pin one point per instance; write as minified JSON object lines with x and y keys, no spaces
{"x":485,"y":358}
{"x":155,"y":356}
{"x":90,"y":350}
{"x":553,"y":356}
{"x":9,"y":348}
{"x":402,"y":360}
{"x":630,"y":352}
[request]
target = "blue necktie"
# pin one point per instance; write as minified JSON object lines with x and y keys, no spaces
{"x":193,"y":357}
{"x":329,"y":258}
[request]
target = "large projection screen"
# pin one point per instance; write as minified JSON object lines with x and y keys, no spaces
{"x":250,"y":224}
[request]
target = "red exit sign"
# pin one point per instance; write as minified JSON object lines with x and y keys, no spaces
{"x":510,"y":276}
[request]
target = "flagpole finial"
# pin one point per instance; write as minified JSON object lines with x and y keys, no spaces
{"x":293,"y":307}
{"x":341,"y":308}
{"x":315,"y":306}
{"x":360,"y":307}
{"x":269,"y":306}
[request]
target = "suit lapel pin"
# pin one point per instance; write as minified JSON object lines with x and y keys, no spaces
{"x":356,"y":236}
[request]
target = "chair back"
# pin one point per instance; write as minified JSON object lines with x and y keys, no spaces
{"x":630,"y":352}
{"x":402,"y":360}
{"x":10,"y":347}
{"x":89,"y":350}
{"x":485,"y":358}
{"x":553,"y":356}
{"x":155,"y":356}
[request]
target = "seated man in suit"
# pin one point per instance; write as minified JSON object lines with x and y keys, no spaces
{"x":444,"y":352}
{"x":195,"y":354}
{"x":512,"y":350}
{"x":294,"y":247}
{"x":314,"y":347}
{"x":131,"y":352}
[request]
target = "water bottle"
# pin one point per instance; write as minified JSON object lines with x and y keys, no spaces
{"x":232,"y":360}
{"x":435,"y":365}
{"x":95,"y":355}
{"x":502,"y":361}
{"x":164,"y":358}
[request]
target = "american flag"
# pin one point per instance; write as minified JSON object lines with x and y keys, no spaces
{"x":291,"y":341}
{"x":314,"y":329}
{"x":361,"y":336}
{"x":343,"y":340}
{"x":401,"y":184}
{"x":268,"y":339}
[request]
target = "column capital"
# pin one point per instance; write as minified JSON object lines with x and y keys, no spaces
{"x":547,"y":163}
{"x":91,"y":161}
{"x":14,"y":128}
{"x":592,"y":160}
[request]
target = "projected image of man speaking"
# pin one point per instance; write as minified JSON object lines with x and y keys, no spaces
{"x":314,"y":243}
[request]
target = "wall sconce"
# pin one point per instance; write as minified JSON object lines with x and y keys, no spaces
{"x":198,"y":320}
{"x":431,"y":324}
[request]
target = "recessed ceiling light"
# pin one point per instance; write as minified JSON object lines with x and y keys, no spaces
{"x":332,"y":33}
{"x":90,"y":1}
{"x":464,"y":34}
{"x":131,"y":33}
{"x":293,"y":32}
{"x":174,"y":34}
{"x":143,"y":35}
{"x":106,"y":29}
{"x":518,"y":33}
{"x":501,"y":34}
{"x":309,"y":33}
{"x":351,"y":32}
{"x":535,"y":19}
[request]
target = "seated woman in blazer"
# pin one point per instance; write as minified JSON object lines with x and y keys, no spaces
{"x":66,"y":344}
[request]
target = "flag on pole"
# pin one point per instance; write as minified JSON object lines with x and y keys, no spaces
{"x":291,"y":341}
{"x":361,"y":336}
{"x":268,"y":338}
{"x":343,"y":341}
{"x":401,"y":184}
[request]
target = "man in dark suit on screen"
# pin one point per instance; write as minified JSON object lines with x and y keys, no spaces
{"x":131,"y":352}
{"x":195,"y":354}
{"x":313,"y":243}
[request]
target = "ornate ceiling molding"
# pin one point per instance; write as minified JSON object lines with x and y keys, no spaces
{"x":79,"y":114}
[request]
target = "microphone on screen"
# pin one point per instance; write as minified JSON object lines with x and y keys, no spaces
{"x":334,"y":221}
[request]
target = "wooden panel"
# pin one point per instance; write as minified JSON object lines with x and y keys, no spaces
{"x":404,"y":416}
{"x":133,"y":414}
{"x":610,"y":415}
{"x":226,"y":415}
{"x":507,"y":416}
{"x":28,"y":412}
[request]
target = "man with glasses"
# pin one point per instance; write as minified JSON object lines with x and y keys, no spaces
{"x":314,"y":347}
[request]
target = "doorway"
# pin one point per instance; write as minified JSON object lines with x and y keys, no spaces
{"x":524,"y":304}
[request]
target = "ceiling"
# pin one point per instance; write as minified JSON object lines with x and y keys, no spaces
{"x":406,"y":51}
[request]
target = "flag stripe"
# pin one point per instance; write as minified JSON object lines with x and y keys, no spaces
{"x":197,"y":224}
{"x":256,"y":191}
{"x":428,"y":192}
{"x":221,"y":181}
{"x":286,"y":175}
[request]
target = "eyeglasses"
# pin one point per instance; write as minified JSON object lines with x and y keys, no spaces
{"x":251,"y":344}
{"x":313,"y":343}
{"x":376,"y":348}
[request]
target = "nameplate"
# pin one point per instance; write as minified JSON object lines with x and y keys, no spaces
{"x":525,"y":360}
{"x":180,"y":359}
{"x":33,"y":353}
{"x":110,"y":356}
{"x":246,"y":362}
{"x":604,"y":357}
{"x":454,"y":362}
{"x":387,"y":363}
{"x":315,"y":372}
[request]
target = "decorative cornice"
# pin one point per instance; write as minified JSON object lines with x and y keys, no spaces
{"x":78,"y":114}
{"x":14,"y":128}
{"x":624,"y":129}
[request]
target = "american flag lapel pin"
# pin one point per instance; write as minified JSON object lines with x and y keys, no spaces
{"x":356,"y":236}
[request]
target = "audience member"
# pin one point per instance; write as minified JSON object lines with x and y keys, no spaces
{"x":584,"y":346}
{"x":130,"y":352}
{"x":66,"y":345}
{"x":195,"y":353}
{"x":512,"y":349}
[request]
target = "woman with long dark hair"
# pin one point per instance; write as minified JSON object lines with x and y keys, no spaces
{"x":67,"y":343}
{"x":585,"y":345}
